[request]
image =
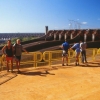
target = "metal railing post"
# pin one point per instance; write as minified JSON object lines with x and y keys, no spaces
{"x":50,"y":59}
{"x":94,"y":54}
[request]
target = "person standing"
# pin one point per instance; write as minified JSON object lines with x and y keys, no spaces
{"x":83,"y":47}
{"x":76,"y":46}
{"x":8,"y":52}
{"x":18,"y":48}
{"x":65,"y":47}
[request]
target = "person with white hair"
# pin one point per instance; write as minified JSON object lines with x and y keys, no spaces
{"x":18,"y":48}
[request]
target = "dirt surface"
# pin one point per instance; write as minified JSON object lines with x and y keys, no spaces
{"x":53,"y":83}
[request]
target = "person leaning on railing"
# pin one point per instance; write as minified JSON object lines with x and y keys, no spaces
{"x":65,"y":47}
{"x":76,"y":47}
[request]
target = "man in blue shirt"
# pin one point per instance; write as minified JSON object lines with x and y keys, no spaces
{"x":76,"y":46}
{"x":65,"y":47}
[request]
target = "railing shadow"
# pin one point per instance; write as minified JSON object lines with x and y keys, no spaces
{"x":91,"y":64}
{"x":40,"y":73}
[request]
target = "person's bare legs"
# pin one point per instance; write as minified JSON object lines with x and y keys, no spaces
{"x":11,"y":65}
{"x":66,"y":60}
{"x":62,"y":61}
{"x":17,"y":64}
{"x":77,"y":58}
{"x":7,"y":61}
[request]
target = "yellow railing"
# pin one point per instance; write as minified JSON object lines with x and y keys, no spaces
{"x":31,"y":58}
{"x":97,"y":54}
{"x":48,"y":58}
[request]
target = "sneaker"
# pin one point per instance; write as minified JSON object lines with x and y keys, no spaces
{"x":82,"y":62}
{"x":78,"y":64}
{"x":11,"y":71}
{"x":66,"y":64}
{"x":7,"y":70}
{"x":75,"y":64}
{"x":19,"y":71}
{"x":63,"y":65}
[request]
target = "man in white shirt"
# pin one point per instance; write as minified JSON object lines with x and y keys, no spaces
{"x":83,"y":47}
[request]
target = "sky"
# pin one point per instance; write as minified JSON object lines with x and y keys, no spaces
{"x":34,"y":15}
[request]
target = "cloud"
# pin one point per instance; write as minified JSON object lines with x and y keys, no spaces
{"x":84,"y":23}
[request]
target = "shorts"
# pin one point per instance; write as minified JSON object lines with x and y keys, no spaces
{"x":18,"y":58}
{"x":64,"y":53}
{"x":9,"y":58}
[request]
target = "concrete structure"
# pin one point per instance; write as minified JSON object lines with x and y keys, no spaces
{"x":46,"y":30}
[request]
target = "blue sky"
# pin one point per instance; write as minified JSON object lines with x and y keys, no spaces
{"x":34,"y":15}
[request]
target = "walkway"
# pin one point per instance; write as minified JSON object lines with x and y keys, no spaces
{"x":54,"y":83}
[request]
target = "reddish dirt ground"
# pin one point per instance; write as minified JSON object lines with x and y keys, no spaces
{"x":53,"y":83}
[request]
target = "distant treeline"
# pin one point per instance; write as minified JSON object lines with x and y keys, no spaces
{"x":16,"y":35}
{"x":13,"y":40}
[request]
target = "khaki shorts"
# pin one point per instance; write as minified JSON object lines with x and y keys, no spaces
{"x":64,"y":53}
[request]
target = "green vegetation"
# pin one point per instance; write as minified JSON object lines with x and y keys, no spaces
{"x":13,"y":40}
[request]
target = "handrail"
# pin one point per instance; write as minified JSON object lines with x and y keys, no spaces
{"x":47,"y":57}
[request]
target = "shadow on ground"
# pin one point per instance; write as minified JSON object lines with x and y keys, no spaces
{"x":40,"y":73}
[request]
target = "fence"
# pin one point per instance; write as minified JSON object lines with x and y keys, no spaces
{"x":49,"y":58}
